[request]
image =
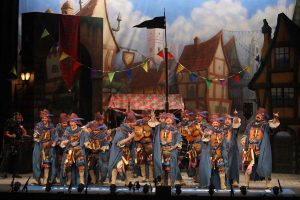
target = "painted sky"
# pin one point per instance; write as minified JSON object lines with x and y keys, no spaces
{"x":185,"y":18}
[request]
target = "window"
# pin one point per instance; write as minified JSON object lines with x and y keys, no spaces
{"x":282,"y":56}
{"x":282,"y":96}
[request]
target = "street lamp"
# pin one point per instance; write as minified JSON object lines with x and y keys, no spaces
{"x":25,"y":76}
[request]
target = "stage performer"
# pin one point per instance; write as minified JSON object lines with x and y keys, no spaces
{"x":60,"y":130}
{"x":198,"y":127}
{"x":44,"y":157}
{"x":231,"y":151}
{"x":217,"y":162}
{"x":258,"y":148}
{"x":74,"y":142}
{"x":167,"y":142}
{"x":120,"y":152}
{"x":144,"y":146}
{"x":13,"y":133}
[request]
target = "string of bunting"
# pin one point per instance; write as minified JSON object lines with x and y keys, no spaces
{"x":145,"y":65}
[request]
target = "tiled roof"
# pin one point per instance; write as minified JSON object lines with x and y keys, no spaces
{"x":198,"y":57}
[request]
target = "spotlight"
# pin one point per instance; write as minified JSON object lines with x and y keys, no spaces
{"x":211,"y":189}
{"x":146,"y":188}
{"x":137,"y":185}
{"x":16,"y":187}
{"x":48,"y":187}
{"x":276,"y":190}
{"x":130,"y":185}
{"x":178,"y":189}
{"x":113,"y":188}
{"x":243,"y":190}
{"x":80,"y":188}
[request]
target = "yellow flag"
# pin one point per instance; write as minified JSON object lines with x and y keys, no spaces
{"x":180,"y":67}
{"x":14,"y":71}
{"x":248,"y":70}
{"x":45,"y":33}
{"x":63,"y":56}
{"x":145,"y":66}
{"x":111,"y":76}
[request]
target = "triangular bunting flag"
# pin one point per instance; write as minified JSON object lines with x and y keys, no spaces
{"x":180,"y":67}
{"x":145,"y":66}
{"x":128,"y":74}
{"x":236,"y":78}
{"x":14,"y":70}
{"x":193,"y":77}
{"x":208,"y":82}
{"x":222,"y":82}
{"x":162,"y":55}
{"x":45,"y":33}
{"x":248,"y":70}
{"x":63,"y":56}
{"x":111,"y":76}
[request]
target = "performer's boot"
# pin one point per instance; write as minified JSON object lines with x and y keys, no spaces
{"x":114,"y":174}
{"x":69,"y":178}
{"x":151,"y":179}
{"x":81,"y":177}
{"x":222,"y":181}
{"x":127,"y":178}
{"x":46,"y":175}
{"x":268,"y":184}
{"x":235,"y":183}
{"x":93,"y":177}
{"x":247,"y":180}
{"x":143,"y":170}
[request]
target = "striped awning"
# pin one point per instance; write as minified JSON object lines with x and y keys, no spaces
{"x":145,"y":101}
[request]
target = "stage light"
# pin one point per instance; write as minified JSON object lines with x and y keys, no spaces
{"x":243,"y":190}
{"x":276,"y":190}
{"x":146,"y":188}
{"x":48,"y":187}
{"x":80,"y":187}
{"x":178,"y":189}
{"x":113,"y":188}
{"x":130,"y":185}
{"x":137,"y":185}
{"x":211,"y":189}
{"x":16,"y":187}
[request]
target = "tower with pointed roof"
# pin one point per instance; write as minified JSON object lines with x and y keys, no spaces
{"x":67,"y":8}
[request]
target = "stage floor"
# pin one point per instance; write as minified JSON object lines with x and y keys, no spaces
{"x":290,"y":184}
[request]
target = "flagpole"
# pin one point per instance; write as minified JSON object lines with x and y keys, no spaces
{"x":167,"y":69}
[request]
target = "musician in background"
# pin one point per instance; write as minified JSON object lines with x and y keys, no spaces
{"x":144,"y":146}
{"x":120,"y":156}
{"x":13,"y":133}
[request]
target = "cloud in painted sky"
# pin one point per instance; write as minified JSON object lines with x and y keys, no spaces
{"x":204,"y":21}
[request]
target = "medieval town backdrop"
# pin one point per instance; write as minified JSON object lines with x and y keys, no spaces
{"x":223,"y":58}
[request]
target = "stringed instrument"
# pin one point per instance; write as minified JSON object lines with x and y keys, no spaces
{"x":142,"y":132}
{"x":187,"y":132}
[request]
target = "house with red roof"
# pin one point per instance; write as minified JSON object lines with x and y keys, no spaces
{"x":207,"y":60}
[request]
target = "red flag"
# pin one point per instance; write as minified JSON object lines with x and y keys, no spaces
{"x":69,"y":29}
{"x":236,"y":78}
{"x":162,"y":55}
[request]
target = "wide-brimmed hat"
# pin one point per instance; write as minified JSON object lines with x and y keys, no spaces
{"x":162,"y":115}
{"x":63,"y":118}
{"x":214,"y":118}
{"x":203,"y":114}
{"x":130,"y":117}
{"x":99,"y":116}
{"x":45,"y":113}
{"x":74,"y":118}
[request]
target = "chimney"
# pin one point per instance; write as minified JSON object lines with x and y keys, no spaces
{"x":196,"y":41}
{"x":266,"y":30}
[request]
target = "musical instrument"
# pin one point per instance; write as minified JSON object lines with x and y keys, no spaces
{"x":142,"y":132}
{"x":191,"y":132}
